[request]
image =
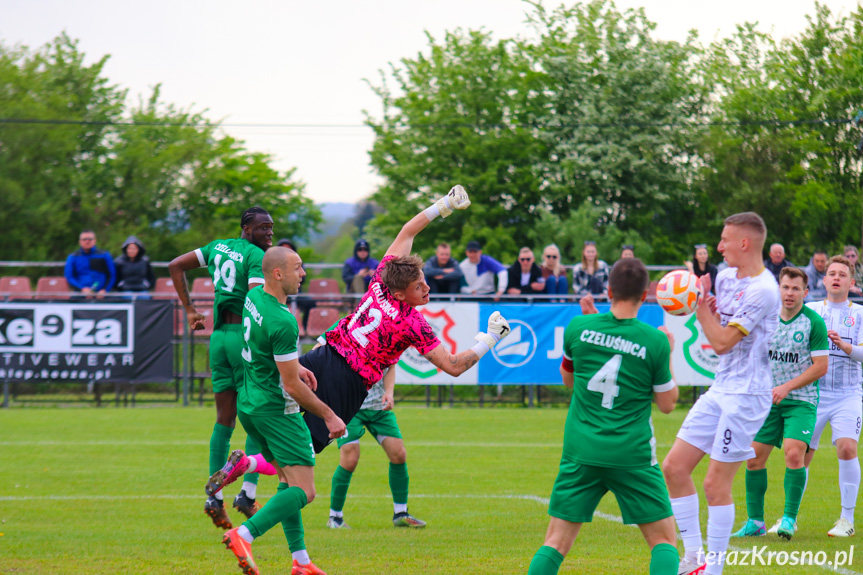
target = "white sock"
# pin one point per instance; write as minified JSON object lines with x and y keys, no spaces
{"x":244,"y":532}
{"x":334,"y":513}
{"x":219,"y":495}
{"x":400,"y":507}
{"x":302,"y":557}
{"x":849,"y":486}
{"x":686,"y":514}
{"x":720,"y":522}
{"x":806,"y":483}
{"x":253,"y":465}
{"x":251,"y":489}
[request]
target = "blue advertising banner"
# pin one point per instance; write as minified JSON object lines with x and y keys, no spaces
{"x":533,"y":351}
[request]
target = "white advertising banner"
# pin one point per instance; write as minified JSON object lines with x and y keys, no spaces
{"x":693,"y":360}
{"x":455,"y":324}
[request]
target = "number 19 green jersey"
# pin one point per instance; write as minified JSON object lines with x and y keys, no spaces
{"x":232,"y":264}
{"x":618,"y":365}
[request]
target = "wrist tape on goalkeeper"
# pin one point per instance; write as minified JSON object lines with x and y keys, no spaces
{"x":440,"y":208}
{"x":484,"y":343}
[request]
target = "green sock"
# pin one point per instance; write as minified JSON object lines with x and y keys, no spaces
{"x":546,"y":561}
{"x":664,"y":559}
{"x":293,"y":527}
{"x":339,"y":490}
{"x":399,"y":482}
{"x":756,"y":487}
{"x":251,"y":449}
{"x":220,"y":446}
{"x":286,"y":503}
{"x":795,"y":480}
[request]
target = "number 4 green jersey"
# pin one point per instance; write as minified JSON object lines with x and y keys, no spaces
{"x":232,"y":265}
{"x":619,"y":364}
{"x":270,"y":335}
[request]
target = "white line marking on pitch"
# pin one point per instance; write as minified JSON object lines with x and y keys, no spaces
{"x":101,"y":442}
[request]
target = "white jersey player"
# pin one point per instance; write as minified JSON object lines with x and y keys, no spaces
{"x":724,"y":421}
{"x":841,"y":391}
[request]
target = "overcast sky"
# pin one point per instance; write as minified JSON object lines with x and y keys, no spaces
{"x":292,"y":62}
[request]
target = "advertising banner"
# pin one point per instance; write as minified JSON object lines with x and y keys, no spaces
{"x":86,"y":341}
{"x":693,"y":359}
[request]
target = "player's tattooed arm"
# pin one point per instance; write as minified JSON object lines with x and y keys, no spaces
{"x":454,"y":365}
{"x":178,"y":268}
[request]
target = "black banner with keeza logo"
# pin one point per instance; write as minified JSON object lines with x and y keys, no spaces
{"x":112,"y":342}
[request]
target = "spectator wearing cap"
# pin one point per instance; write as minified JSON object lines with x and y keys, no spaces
{"x":524,"y":276}
{"x":776,"y":260}
{"x":627,"y":251}
{"x":358,"y":270}
{"x":554,"y":272}
{"x":853,"y":257}
{"x":442,"y":271}
{"x":590,"y":275}
{"x":479,"y":271}
{"x":701,"y":266}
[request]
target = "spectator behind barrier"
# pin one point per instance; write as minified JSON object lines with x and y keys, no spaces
{"x":443,"y":274}
{"x":479,"y":271}
{"x":134,"y":272}
{"x":554,"y":272}
{"x":776,"y":260}
{"x":90,"y":270}
{"x":590,"y":275}
{"x":701,"y":266}
{"x":627,"y":251}
{"x":524,"y":276}
{"x":815,"y":270}
{"x":302,"y":304}
{"x":358,"y":271}
{"x":853,"y":256}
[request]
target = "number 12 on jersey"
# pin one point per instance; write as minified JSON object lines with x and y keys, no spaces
{"x":604,"y":381}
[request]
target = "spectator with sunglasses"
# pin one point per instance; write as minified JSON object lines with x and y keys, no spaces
{"x":627,"y":251}
{"x":525,"y":277}
{"x":701,"y":266}
{"x":553,"y":272}
{"x":590,"y":275}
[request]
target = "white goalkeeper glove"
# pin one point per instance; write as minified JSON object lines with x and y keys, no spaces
{"x":456,"y":199}
{"x":498,"y":328}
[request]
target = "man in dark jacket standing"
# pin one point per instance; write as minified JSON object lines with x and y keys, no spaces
{"x":358,"y":270}
{"x":443,"y":274}
{"x":90,"y":270}
{"x":134,"y":272}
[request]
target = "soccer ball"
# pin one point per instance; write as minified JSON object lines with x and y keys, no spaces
{"x":679,"y":292}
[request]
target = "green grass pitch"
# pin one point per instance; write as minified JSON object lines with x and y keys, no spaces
{"x":121,"y":491}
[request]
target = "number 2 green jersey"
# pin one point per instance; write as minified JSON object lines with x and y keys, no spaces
{"x":232,"y":265}
{"x":792,"y":348}
{"x":270,"y":335}
{"x":619,"y":364}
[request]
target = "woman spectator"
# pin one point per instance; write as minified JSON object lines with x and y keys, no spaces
{"x":553,"y":272}
{"x":701,"y":266}
{"x":525,"y":277}
{"x":134,"y":272}
{"x":590,"y":276}
{"x":853,"y":256}
{"x":627,"y":251}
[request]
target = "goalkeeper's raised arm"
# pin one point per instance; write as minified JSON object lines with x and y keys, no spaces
{"x":456,"y":199}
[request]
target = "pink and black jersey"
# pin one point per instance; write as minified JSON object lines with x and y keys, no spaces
{"x":375,"y":335}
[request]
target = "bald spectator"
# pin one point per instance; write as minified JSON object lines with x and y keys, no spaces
{"x":479,"y":271}
{"x":815,"y":270}
{"x":777,"y":261}
{"x":525,"y":277}
{"x":443,"y":274}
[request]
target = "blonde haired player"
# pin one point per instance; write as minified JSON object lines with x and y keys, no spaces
{"x":738,"y":323}
{"x":841,"y":394}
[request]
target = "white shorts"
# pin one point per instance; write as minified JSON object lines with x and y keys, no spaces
{"x":723,"y":425}
{"x":845,"y":414}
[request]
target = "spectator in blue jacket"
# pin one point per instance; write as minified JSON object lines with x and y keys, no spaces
{"x":90,"y":270}
{"x":358,"y":271}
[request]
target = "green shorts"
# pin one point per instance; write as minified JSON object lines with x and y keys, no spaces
{"x":640,"y":492}
{"x":226,"y":361}
{"x":791,"y":419}
{"x":284,"y":438}
{"x":381,"y":424}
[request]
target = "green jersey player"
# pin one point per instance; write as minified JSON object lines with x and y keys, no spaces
{"x":798,"y":357}
{"x":235,"y":266}
{"x":615,"y":364}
